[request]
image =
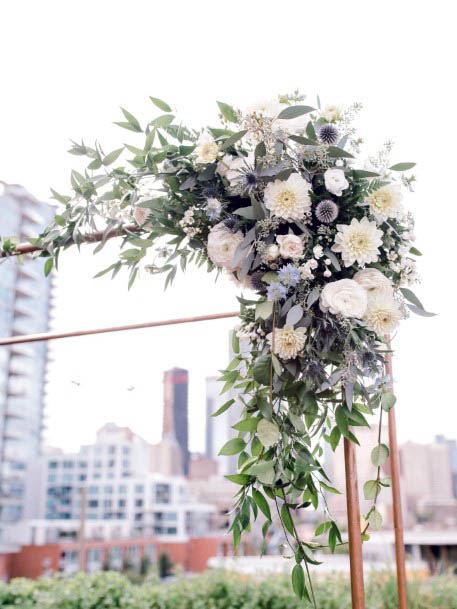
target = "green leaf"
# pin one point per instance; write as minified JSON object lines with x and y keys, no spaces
{"x":371,"y":489}
{"x":270,"y":277}
{"x":264,"y":471}
{"x":323,"y":528}
{"x":294,"y":315}
{"x":287,"y":519}
{"x":262,"y":503}
{"x":268,"y":432}
{"x":334,"y":438}
{"x":245,"y":212}
{"x":388,"y":401}
{"x":276,"y":364}
{"x":264,"y":309}
{"x":163,"y":121}
{"x":233,"y":139}
{"x":298,"y":581}
{"x":409,"y":295}
{"x":341,"y":420}
{"x":329,"y":488}
{"x":160,"y":104}
{"x":223,"y":408}
{"x":228,"y":112}
{"x":302,"y":140}
{"x":131,"y":120}
{"x":419,"y":311}
{"x":338,"y":153}
{"x":414,"y":251}
{"x":375,"y":519}
{"x":112,"y":156}
{"x":362,"y":173}
{"x":249,"y":424}
{"x":402,"y":166}
{"x":241,"y":479}
{"x":294,"y":111}
{"x":48,"y":266}
{"x":232,"y":447}
{"x":379,"y":454}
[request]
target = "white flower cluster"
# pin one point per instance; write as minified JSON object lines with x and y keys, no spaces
{"x":369,"y":297}
{"x":187,"y":223}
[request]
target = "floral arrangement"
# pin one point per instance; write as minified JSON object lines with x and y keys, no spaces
{"x":274,"y":197}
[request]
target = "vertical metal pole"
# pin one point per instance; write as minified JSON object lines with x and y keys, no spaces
{"x":396,"y":499}
{"x":82,"y":530}
{"x":354,"y":529}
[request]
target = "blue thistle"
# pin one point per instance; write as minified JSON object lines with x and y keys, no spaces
{"x":328,"y":134}
{"x":289,"y":275}
{"x":276,"y":291}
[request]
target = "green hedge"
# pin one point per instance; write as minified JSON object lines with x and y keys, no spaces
{"x":212,"y":591}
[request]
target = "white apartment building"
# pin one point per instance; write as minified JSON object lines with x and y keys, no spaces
{"x":122,"y":498}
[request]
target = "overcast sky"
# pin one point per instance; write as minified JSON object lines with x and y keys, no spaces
{"x":68,"y":66}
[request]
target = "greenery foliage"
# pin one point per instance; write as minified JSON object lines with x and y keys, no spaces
{"x":214,"y":591}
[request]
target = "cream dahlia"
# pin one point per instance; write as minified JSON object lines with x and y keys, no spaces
{"x":386,"y":202}
{"x":287,"y":342}
{"x":383,"y":313}
{"x":222,"y":244}
{"x":358,"y":242}
{"x":373,"y":281}
{"x":207,"y":150}
{"x":344,"y":297}
{"x":289,"y":198}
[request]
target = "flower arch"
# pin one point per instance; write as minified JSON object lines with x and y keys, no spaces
{"x":275,"y":197}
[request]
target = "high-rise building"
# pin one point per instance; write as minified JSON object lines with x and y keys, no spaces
{"x":427,"y":482}
{"x":219,"y":429}
{"x":25,"y":296}
{"x":452,"y":447}
{"x":171,"y":455}
{"x":335,"y":467}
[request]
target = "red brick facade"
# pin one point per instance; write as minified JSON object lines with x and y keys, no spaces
{"x":35,"y":560}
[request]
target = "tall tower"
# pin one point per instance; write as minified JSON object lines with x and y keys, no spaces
{"x":175,"y":411}
{"x":25,"y":297}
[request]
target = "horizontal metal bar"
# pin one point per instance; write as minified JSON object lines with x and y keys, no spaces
{"x":33,"y":338}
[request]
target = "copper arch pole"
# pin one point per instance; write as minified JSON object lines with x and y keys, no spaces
{"x":396,"y":496}
{"x":33,"y":338}
{"x":354,"y":528}
{"x":95,"y":237}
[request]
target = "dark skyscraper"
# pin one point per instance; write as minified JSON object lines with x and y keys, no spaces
{"x":175,"y":411}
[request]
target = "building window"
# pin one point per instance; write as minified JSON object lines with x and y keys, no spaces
{"x":162,"y":494}
{"x":53,"y":464}
{"x":139,"y":488}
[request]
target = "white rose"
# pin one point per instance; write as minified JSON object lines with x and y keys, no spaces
{"x":373,"y":280}
{"x":290,"y":246}
{"x":344,"y":297}
{"x":271,"y":253}
{"x":335,"y":181}
{"x":222,"y":244}
{"x":224,"y":164}
{"x":331,"y":113}
{"x":207,"y":150}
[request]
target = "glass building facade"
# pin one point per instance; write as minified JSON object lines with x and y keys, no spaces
{"x":25,"y":295}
